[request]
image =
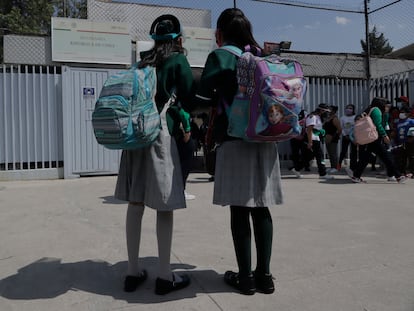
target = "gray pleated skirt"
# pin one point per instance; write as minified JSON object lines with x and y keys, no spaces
{"x":247,"y":174}
{"x":152,"y":175}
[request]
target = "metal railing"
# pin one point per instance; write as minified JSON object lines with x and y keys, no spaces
{"x":30,"y":117}
{"x":31,"y":132}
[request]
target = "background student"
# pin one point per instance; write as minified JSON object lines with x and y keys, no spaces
{"x":347,"y":125}
{"x":377,"y":147}
{"x":314,"y":134}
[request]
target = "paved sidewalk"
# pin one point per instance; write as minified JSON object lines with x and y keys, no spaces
{"x":337,"y":246}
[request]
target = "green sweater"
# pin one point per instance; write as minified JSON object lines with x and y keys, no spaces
{"x":376,"y":116}
{"x":175,"y":74}
{"x":178,"y":120}
{"x":218,"y":83}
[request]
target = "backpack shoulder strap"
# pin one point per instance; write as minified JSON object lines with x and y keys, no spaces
{"x":232,"y":49}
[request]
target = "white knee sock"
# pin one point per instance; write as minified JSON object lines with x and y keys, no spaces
{"x":164,"y":237}
{"x":133,"y":236}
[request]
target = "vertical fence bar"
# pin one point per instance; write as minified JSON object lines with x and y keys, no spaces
{"x":42,"y":119}
{"x":12,"y":119}
{"x":35,"y":122}
{"x":5,"y":135}
{"x":28,"y":119}
{"x":49,"y":118}
{"x":58,"y":113}
{"x":20,"y":115}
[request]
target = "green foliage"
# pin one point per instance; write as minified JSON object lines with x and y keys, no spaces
{"x":33,"y":17}
{"x":378,"y":45}
{"x":71,"y":8}
{"x":27,"y":17}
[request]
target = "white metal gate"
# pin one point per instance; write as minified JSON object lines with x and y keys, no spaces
{"x":30,"y":119}
{"x":45,"y":117}
{"x":82,"y":154}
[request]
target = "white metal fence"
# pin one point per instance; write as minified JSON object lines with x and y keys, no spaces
{"x":393,"y":86}
{"x":31,"y":105}
{"x":30,"y":118}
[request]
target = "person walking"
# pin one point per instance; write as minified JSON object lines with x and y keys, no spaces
{"x":314,"y":133}
{"x":301,"y":156}
{"x":151,"y":176}
{"x":377,"y":147}
{"x":332,"y":127}
{"x":347,"y":125}
{"x":247,"y":175}
{"x":404,"y":140}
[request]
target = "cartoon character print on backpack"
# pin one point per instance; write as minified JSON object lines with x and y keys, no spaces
{"x":291,"y":95}
{"x":271,"y":93}
{"x":279,"y":113}
{"x":276,"y":119}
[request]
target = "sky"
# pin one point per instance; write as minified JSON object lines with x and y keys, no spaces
{"x":312,"y":30}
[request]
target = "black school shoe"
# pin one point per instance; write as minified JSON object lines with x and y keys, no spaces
{"x":246,"y":285}
{"x":163,"y":287}
{"x":264,"y":283}
{"x":132,"y":282}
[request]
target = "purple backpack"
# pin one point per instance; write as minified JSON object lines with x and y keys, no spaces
{"x":270,"y":97}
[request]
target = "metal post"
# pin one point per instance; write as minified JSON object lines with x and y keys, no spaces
{"x":234,"y":4}
{"x":368,"y":52}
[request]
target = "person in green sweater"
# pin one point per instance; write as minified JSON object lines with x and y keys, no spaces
{"x":247,"y":175}
{"x":378,"y":147}
{"x":151,"y":176}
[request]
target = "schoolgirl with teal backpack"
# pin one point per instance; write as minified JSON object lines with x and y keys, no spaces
{"x":151,"y":176}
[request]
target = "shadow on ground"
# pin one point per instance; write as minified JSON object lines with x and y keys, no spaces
{"x":49,"y":278}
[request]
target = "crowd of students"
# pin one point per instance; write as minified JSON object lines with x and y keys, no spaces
{"x":394,"y":147}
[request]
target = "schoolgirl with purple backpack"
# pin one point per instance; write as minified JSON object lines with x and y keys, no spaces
{"x":247,"y":174}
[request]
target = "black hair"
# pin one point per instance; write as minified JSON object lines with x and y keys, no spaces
{"x":166,"y":31}
{"x":333,"y":108}
{"x":379,"y":102}
{"x":405,"y":109}
{"x":236,"y":28}
{"x":322,"y":106}
{"x":165,"y":27}
{"x":352,"y":107}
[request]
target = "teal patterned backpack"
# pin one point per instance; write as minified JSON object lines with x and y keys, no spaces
{"x":125,"y":114}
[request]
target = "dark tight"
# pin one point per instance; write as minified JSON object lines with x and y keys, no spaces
{"x":317,"y":153}
{"x":186,"y":153}
{"x":353,"y":156}
{"x":301,"y":155}
{"x":263,"y":234}
{"x":404,"y":158}
{"x":380,"y":150}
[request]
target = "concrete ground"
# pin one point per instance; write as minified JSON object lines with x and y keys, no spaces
{"x":337,"y":246}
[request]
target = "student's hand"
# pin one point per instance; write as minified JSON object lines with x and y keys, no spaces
{"x":187,"y":137}
{"x":386,"y":140}
{"x":310,"y":145}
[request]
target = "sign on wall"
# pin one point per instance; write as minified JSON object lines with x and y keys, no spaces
{"x":141,"y":16}
{"x":199,"y":42}
{"x":83,"y":41}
